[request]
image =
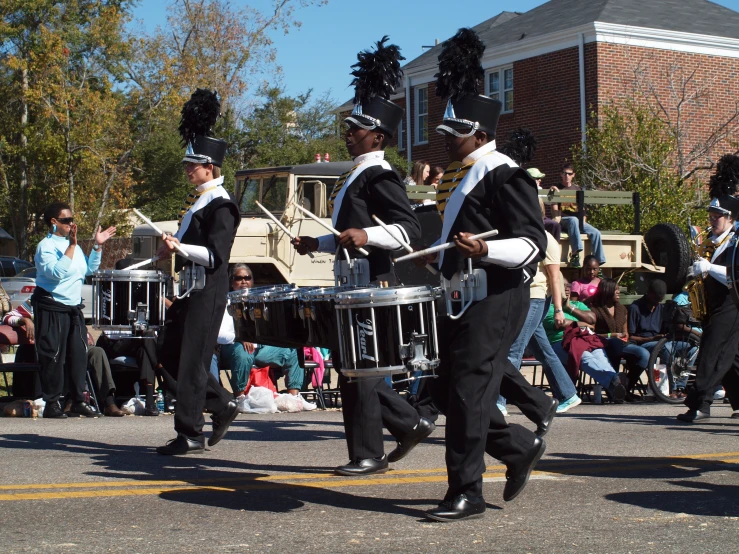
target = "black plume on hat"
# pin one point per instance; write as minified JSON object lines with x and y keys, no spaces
{"x":199,"y":115}
{"x":726,"y":178}
{"x":460,"y":70}
{"x":521,"y":146}
{"x":377,"y":73}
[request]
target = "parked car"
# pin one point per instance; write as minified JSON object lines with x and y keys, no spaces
{"x":21,"y":287}
{"x":10,"y":266}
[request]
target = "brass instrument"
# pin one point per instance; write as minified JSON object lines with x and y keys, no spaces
{"x":695,"y":288}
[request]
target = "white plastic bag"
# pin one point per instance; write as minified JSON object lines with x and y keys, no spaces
{"x":289,"y":403}
{"x":261,"y":401}
{"x":134,"y":406}
{"x":39,"y":406}
{"x":243,"y":404}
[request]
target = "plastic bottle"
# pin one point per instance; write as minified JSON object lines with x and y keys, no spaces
{"x":160,"y":400}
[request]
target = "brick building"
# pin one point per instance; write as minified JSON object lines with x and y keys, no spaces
{"x":556,"y":65}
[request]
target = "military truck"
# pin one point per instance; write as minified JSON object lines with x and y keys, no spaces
{"x":267,"y":250}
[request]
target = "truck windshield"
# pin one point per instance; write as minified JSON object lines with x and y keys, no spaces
{"x":274,"y":193}
{"x":249,"y":194}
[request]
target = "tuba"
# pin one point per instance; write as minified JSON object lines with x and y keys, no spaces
{"x":695,"y":288}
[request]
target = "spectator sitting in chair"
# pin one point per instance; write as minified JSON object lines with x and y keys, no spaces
{"x":571,"y":224}
{"x":594,"y":363}
{"x":646,"y":322}
{"x":240,"y":357}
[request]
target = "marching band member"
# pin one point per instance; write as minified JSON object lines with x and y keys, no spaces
{"x":718,"y":357}
{"x":208,"y":224}
{"x":481,"y":190}
{"x":372,"y":187}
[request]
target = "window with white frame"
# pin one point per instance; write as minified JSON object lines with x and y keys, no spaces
{"x":499,"y":85}
{"x":401,"y":136}
{"x":422,"y":114}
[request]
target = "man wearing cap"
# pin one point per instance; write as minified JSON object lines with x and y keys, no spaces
{"x":481,"y":190}
{"x":207,"y":227}
{"x":372,"y":187}
{"x":718,"y":357}
{"x":552,"y":226}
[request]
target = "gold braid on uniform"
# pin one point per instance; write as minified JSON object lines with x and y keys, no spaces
{"x":453,"y":175}
{"x":191,"y":199}
{"x":337,"y":188}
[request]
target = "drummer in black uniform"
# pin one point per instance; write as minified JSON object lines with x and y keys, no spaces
{"x":718,"y":357}
{"x":208,"y":224}
{"x":372,"y":187}
{"x":481,"y":190}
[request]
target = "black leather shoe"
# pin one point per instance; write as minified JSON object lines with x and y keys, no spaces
{"x":83,"y":409}
{"x":617,"y":391}
{"x":409,"y":442}
{"x":221,"y":421}
{"x":53,"y":410}
{"x":543,"y":427}
{"x":181,"y":446}
{"x":368,"y":466}
{"x":458,"y":508}
{"x":518,"y":475}
{"x":691,"y":416}
{"x":151,"y":412}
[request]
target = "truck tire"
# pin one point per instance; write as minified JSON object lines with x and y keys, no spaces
{"x":670,"y":248}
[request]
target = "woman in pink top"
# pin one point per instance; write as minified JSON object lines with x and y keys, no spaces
{"x":587,"y":285}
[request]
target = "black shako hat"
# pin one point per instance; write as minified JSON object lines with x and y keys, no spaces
{"x":376,"y":76}
{"x":725,"y":204}
{"x":199,"y":115}
{"x":460,"y":73}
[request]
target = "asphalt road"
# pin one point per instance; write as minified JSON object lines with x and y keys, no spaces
{"x":626,"y":478}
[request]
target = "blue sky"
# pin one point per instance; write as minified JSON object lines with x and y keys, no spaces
{"x":319,"y":54}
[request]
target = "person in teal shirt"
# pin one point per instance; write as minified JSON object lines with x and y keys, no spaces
{"x":61,"y":335}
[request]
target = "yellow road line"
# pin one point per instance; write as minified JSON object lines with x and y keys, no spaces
{"x":319,"y":480}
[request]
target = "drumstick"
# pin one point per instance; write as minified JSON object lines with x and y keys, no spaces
{"x":328,"y":227}
{"x":445,"y":246}
{"x":407,"y":246}
{"x":277,"y":222}
{"x":150,"y":223}
{"x":141,"y":264}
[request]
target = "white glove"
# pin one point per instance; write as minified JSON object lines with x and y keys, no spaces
{"x":700,"y":267}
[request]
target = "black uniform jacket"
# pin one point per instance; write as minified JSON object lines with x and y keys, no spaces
{"x":377,"y":190}
{"x":496,"y":194}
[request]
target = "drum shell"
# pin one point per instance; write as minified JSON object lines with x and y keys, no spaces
{"x":115,"y":292}
{"x":276,"y":317}
{"x":319,"y":314}
{"x":238,"y":308}
{"x":372,"y":333}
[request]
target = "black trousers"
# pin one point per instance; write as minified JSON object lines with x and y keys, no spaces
{"x":717,"y":357}
{"x":61,"y":347}
{"x":473,"y":366}
{"x":533,"y":402}
{"x":186,"y":350}
{"x":368,"y":405}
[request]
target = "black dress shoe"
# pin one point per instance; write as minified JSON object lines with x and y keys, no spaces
{"x":221,"y":422}
{"x":181,"y":446}
{"x":409,"y":442}
{"x":543,"y":427}
{"x":458,"y":508}
{"x":691,"y":416}
{"x":53,"y":410}
{"x":151,"y":412}
{"x":518,"y":475}
{"x":368,"y":466}
{"x":83,"y":409}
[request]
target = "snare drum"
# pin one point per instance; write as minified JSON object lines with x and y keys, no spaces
{"x":268,"y":313}
{"x":238,"y":309}
{"x":386,"y":331}
{"x":118,"y":292}
{"x":320,"y":317}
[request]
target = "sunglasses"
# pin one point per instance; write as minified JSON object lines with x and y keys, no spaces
{"x":568,"y":173}
{"x":243,"y":278}
{"x":65,"y":220}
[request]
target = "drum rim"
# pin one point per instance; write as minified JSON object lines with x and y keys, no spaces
{"x":316,"y":294}
{"x":129,"y":276}
{"x":385,"y":296}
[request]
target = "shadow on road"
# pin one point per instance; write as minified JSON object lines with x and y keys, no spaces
{"x":714,"y":500}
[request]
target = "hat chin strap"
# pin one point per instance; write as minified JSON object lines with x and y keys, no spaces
{"x":474,"y":127}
